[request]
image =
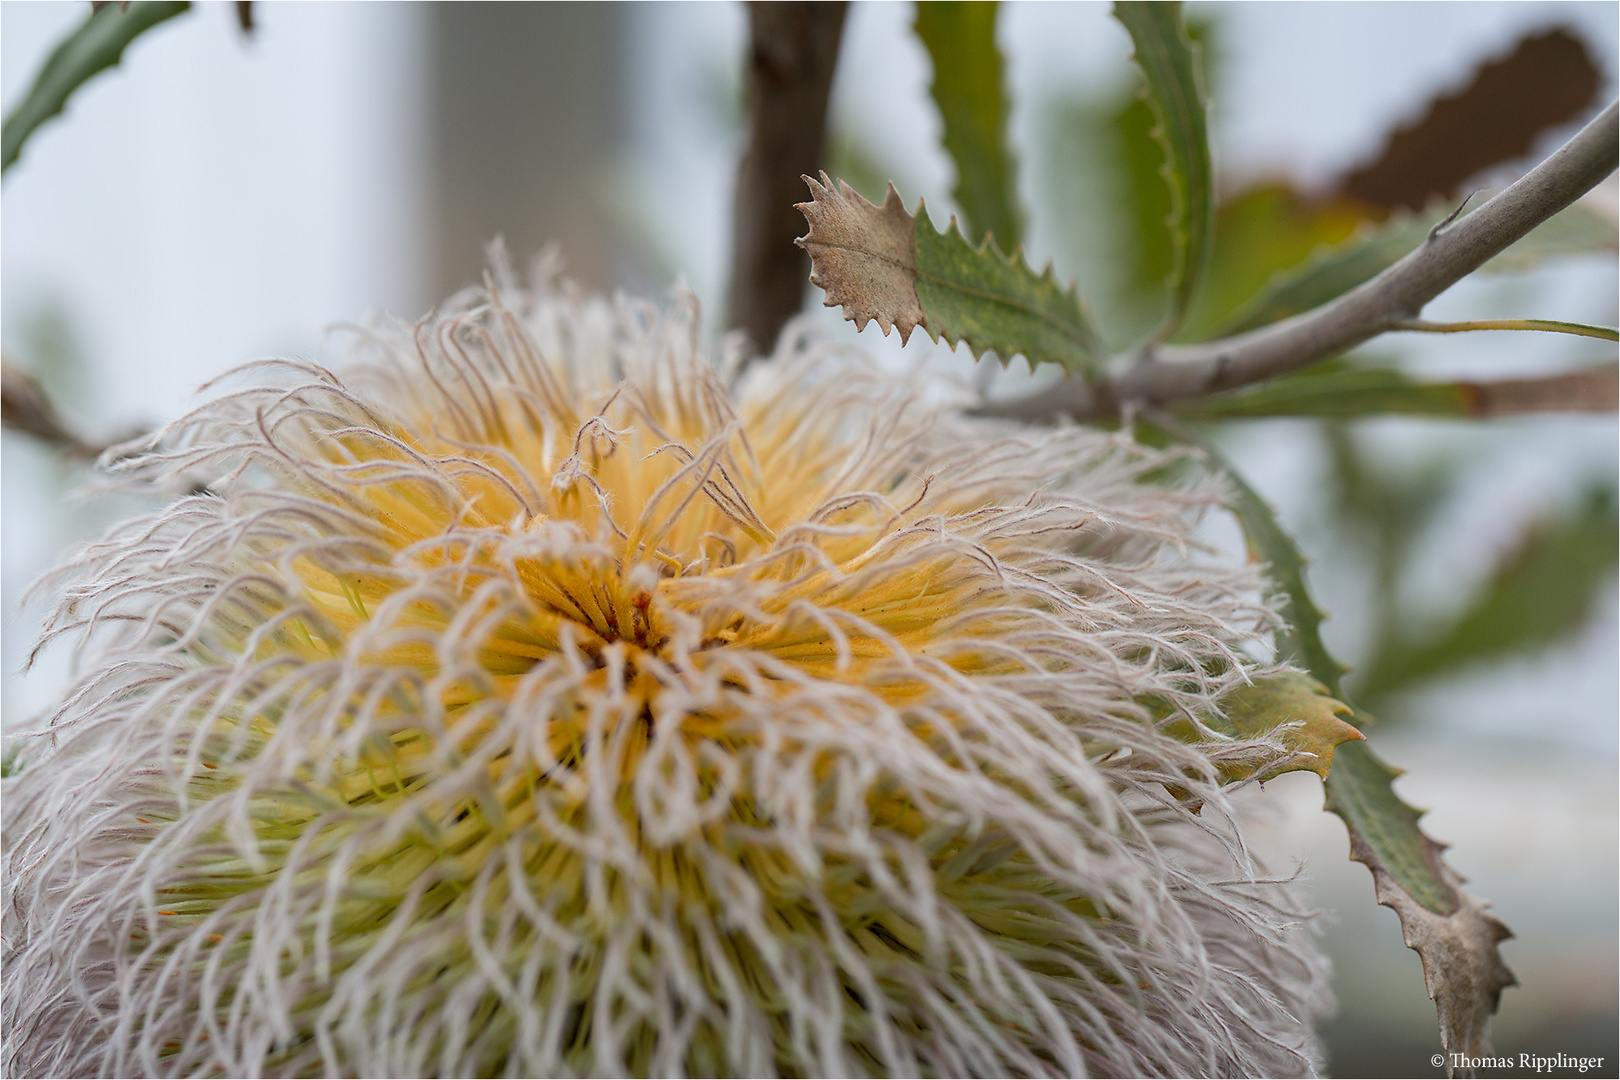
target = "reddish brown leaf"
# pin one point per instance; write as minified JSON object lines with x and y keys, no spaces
{"x":1547,"y":81}
{"x":1594,"y":390}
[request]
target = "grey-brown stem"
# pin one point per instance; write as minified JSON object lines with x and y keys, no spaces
{"x":1168,"y":373}
{"x":793,"y":50}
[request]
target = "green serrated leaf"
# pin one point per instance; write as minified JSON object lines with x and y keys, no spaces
{"x":969,"y":89}
{"x":1541,"y":593}
{"x":1386,"y":824}
{"x":1292,"y":697}
{"x":1301,"y":638}
{"x":1115,"y":243}
{"x":96,"y":45}
{"x":1139,"y":210}
{"x":996,"y":303}
{"x":1175,"y":90}
{"x":1450,"y":931}
{"x":1289,"y":704}
{"x":1361,"y":791}
{"x":881,"y":264}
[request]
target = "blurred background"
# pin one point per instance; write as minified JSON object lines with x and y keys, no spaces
{"x":222,"y":197}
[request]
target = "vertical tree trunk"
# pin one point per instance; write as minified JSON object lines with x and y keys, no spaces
{"x":793,"y":50}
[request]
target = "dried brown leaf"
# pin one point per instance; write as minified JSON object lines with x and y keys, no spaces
{"x":864,"y":257}
{"x":1547,"y":80}
{"x":1462,"y":967}
{"x":1595,"y":390}
{"x":1449,"y":929}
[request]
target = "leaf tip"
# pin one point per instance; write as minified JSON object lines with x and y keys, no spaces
{"x":1300,"y":712}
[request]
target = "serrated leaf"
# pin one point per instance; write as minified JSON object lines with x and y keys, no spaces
{"x":969,"y":90}
{"x":1175,"y":91}
{"x":1367,"y":802}
{"x":1450,"y":930}
{"x":1301,"y":637}
{"x":883,"y":264}
{"x":1291,"y":705}
{"x":1118,"y":245}
{"x":1543,"y":591}
{"x":96,"y":45}
{"x":1139,"y":211}
{"x":864,"y":257}
{"x":996,"y":303}
{"x":1300,"y":702}
{"x":1336,"y":390}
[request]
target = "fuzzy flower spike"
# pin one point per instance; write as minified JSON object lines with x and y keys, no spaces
{"x":524,"y":703}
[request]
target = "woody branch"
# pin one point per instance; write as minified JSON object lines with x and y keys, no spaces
{"x":1160,"y":374}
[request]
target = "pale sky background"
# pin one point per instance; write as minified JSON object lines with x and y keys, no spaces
{"x":213,"y":201}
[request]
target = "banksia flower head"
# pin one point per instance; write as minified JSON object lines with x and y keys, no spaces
{"x":523,"y":702}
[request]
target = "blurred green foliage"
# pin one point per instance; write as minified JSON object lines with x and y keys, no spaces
{"x":1541,"y":592}
{"x":970,"y":91}
{"x":1172,"y":68}
{"x":96,"y":45}
{"x":1278,"y":252}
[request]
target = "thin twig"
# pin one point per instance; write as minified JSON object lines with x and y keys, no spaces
{"x":1175,"y":372}
{"x":793,"y":51}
